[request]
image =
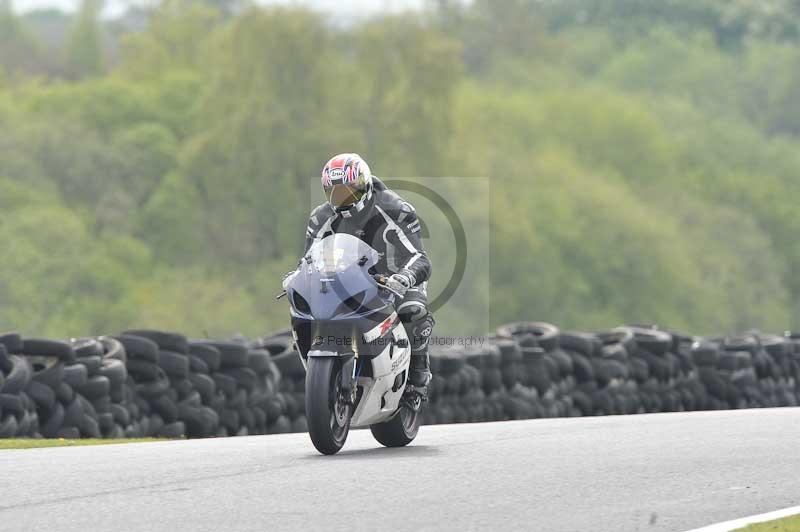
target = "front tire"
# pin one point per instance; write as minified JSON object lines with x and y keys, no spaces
{"x":328,"y":417}
{"x":398,"y":431}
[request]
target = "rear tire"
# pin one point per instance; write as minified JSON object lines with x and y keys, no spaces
{"x":328,"y":418}
{"x":400,"y":430}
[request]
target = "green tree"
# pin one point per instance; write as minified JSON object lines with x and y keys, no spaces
{"x":266,"y":118}
{"x":175,"y":41}
{"x":405,"y":81}
{"x":85,"y":48}
{"x":642,"y":159}
{"x":57,"y":280}
{"x":19,"y":51}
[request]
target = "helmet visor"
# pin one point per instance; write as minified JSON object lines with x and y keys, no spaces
{"x":343,"y":195}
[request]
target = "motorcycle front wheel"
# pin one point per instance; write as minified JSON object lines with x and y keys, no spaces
{"x":327,"y":414}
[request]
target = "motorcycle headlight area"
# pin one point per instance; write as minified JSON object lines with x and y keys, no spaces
{"x":300,"y":303}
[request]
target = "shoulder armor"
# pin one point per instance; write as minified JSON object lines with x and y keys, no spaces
{"x":317,"y":218}
{"x":321,"y":213}
{"x":391,"y":202}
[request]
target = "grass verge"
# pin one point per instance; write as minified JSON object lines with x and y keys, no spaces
{"x":27,"y":443}
{"x":787,"y":524}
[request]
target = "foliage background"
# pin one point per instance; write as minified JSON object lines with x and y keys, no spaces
{"x":644,"y":157}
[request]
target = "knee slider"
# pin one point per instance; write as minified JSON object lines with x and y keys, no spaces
{"x":414,"y":312}
{"x":420,"y":323}
{"x":423,"y":327}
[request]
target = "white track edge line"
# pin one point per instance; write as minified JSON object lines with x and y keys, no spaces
{"x":744,"y":521}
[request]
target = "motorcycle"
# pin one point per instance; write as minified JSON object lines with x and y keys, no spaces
{"x":355,"y":349}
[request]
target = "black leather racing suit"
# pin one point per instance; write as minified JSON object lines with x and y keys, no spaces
{"x":390,"y":225}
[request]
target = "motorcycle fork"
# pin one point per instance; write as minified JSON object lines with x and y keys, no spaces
{"x":349,"y":376}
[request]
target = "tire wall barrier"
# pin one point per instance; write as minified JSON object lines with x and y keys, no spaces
{"x":152,"y":383}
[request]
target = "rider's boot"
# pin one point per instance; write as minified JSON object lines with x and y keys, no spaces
{"x":420,"y":372}
{"x":419,"y":321}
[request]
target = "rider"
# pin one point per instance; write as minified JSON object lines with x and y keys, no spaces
{"x":361,"y":205}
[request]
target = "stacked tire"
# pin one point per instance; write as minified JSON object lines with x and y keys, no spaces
{"x":290,"y":400}
{"x":235,"y":382}
{"x":544,"y":371}
{"x":264,"y":400}
{"x":149,"y":383}
{"x":18,"y":410}
{"x":60,"y":412}
{"x":159,"y":366}
{"x":456,"y":388}
{"x":99,"y":379}
{"x":490,"y":361}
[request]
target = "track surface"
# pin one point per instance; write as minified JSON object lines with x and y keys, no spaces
{"x":645,"y":472}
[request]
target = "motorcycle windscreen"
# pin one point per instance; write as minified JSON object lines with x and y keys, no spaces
{"x":337,"y":252}
{"x":334,"y":280}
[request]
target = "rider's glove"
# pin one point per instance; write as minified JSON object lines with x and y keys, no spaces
{"x":399,"y":283}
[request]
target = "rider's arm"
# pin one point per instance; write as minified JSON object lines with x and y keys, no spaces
{"x":316,"y":220}
{"x":414,"y":259}
{"x":309,"y":241}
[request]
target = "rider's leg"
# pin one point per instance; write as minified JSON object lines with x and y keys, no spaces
{"x":418,"y":321}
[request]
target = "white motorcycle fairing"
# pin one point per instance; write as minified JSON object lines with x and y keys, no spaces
{"x":380,"y":399}
{"x":382,"y":392}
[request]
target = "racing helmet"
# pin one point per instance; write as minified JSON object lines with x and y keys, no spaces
{"x":347,"y":182}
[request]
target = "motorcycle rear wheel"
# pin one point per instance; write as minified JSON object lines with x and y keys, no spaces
{"x":328,"y":417}
{"x":398,"y":431}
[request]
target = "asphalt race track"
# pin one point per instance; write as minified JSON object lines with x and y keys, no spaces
{"x":644,"y":472}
